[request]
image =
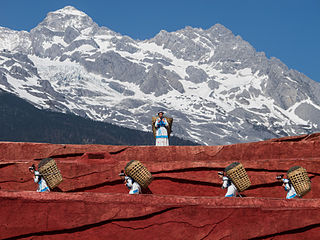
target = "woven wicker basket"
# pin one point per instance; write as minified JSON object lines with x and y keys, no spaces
{"x":139,"y":173}
{"x":300,"y":180}
{"x":49,"y":170}
{"x":238,"y":176}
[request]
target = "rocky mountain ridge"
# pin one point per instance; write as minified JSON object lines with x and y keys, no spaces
{"x":215,"y":85}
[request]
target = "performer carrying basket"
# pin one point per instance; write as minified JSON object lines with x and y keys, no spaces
{"x":38,"y":178}
{"x":298,"y":182}
{"x":136,"y":176}
{"x":236,"y":179}
{"x":48,"y":175}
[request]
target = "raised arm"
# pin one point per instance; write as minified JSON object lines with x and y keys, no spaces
{"x":157,"y":122}
{"x":165,"y":122}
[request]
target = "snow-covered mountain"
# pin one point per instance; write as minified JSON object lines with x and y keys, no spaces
{"x":218,"y":89}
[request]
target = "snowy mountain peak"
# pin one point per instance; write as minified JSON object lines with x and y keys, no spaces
{"x":216,"y":86}
{"x":68,"y":16}
{"x":11,"y":40}
{"x":69,"y":10}
{"x":219,"y":28}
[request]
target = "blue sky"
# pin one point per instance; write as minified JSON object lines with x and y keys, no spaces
{"x":286,"y":29}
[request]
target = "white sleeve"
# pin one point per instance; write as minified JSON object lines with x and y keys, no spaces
{"x":36,"y":179}
{"x":166,"y":122}
{"x":285,"y":180}
{"x":225,"y":182}
{"x":156,"y":123}
{"x":287,"y":186}
{"x":36,"y":176}
{"x":129,"y":182}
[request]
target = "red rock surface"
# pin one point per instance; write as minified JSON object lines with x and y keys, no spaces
{"x":121,"y":216}
{"x":95,"y":204}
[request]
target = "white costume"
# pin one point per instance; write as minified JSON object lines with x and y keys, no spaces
{"x":161,"y":132}
{"x":232,"y":190}
{"x":132,"y":185}
{"x":289,"y":188}
{"x":42,"y":185}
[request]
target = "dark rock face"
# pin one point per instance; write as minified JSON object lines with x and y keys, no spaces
{"x":184,"y":201}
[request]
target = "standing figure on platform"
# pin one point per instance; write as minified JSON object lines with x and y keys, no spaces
{"x":287,"y":187}
{"x":227,"y":183}
{"x":161,"y":126}
{"x":133,"y":186}
{"x":38,"y":178}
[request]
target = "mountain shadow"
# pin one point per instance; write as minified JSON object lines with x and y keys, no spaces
{"x":20,"y":121}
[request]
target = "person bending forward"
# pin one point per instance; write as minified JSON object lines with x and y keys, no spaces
{"x":42,"y":185}
{"x":289,"y":188}
{"x":132,"y":185}
{"x":231,"y":188}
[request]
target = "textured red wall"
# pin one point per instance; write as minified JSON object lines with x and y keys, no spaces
{"x":186,"y":201}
